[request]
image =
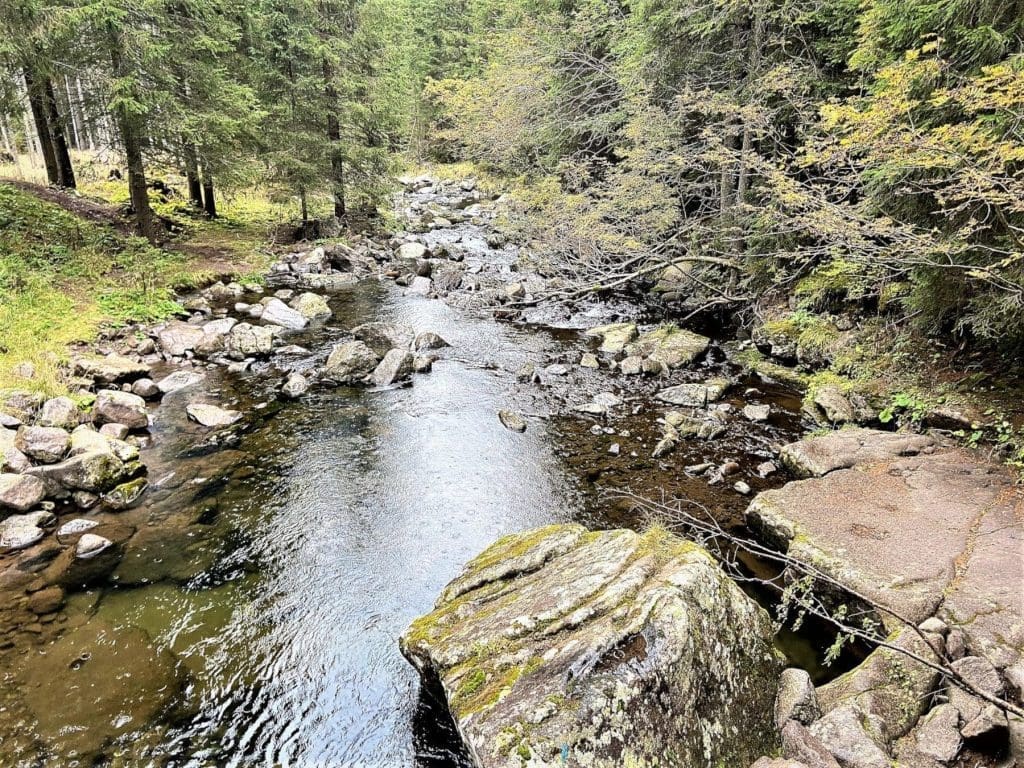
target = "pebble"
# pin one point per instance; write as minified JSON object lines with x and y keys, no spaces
{"x":614,"y":449}
{"x":741,"y":488}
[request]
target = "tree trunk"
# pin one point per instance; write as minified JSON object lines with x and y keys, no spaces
{"x":36,"y":103}
{"x":6,"y":136}
{"x":76,"y":134}
{"x":65,"y":170}
{"x":304,"y":205}
{"x":195,"y":186}
{"x":334,"y":138}
{"x":753,"y":72}
{"x":87,"y":130}
{"x":209,"y":201}
{"x":131,"y":138}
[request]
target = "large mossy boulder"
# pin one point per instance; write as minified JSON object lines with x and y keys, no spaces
{"x":566,"y":647}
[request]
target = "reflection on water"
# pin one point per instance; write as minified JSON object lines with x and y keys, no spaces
{"x":357,"y":508}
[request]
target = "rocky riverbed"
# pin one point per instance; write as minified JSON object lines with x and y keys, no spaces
{"x":208,"y":554}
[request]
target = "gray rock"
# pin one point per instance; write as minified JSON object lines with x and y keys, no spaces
{"x":178,"y":380}
{"x":146,"y":389}
{"x":512,"y":421}
{"x":295,"y":386}
{"x":350,"y":362}
{"x":757,"y":413}
{"x":845,"y":733}
{"x":798,"y":743}
{"x":695,"y":395}
{"x":111,"y":369}
{"x":817,"y":456}
{"x":331,"y":283}
{"x":557,"y":369}
{"x":20,"y":492}
{"x":277,"y":312}
{"x":421,"y":286}
{"x":94,"y":471}
{"x":938,"y":734}
{"x":211,"y":415}
{"x":20,"y":531}
{"x":631,"y":366}
{"x":90,"y":545}
{"x":777,"y":762}
{"x":76,"y":526}
{"x":742,"y":488}
{"x":60,"y":412}
{"x":589,"y":360}
{"x":396,"y":365}
{"x":671,"y":346}
{"x":412,"y":251}
{"x":618,"y":648}
{"x":120,"y":408}
{"x":14,"y":461}
{"x":428,"y":340}
{"x":614,"y":337}
{"x":796,"y":698}
{"x":44,"y":444}
{"x":991,"y":720}
{"x":311,"y":306}
{"x":423,"y":363}
{"x":382,"y":337}
{"x":247,"y":340}
{"x":178,"y":339}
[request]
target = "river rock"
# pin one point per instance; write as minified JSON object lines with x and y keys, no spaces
{"x":835,"y":406}
{"x":671,"y":346}
{"x":757,"y":413}
{"x":614,"y":337}
{"x":798,"y":743}
{"x":46,"y":600}
{"x":695,"y":395}
{"x":60,"y":412}
{"x":604,"y":649}
{"x":396,"y":365}
{"x":277,"y":312}
{"x":311,"y":306}
{"x":247,"y":340}
{"x":512,"y":421}
{"x":845,"y":732}
{"x":631,"y":366}
{"x":95,"y":471}
{"x":938,"y":734}
{"x":295,"y":386}
{"x":90,"y":545}
{"x":14,"y":461}
{"x":146,"y":389}
{"x":331,"y":283}
{"x":817,"y":456}
{"x":428,"y":340}
{"x":111,"y":369}
{"x":211,"y":415}
{"x":178,"y":339}
{"x":75,"y":527}
{"x":120,"y":408}
{"x":44,"y":444}
{"x":420,"y":286}
{"x":412,"y":251}
{"x":118,"y":680}
{"x":20,"y":531}
{"x":20,"y":492}
{"x":350,"y":362}
{"x":382,"y":337}
{"x":796,"y":698}
{"x":178,"y":380}
{"x":215,"y":335}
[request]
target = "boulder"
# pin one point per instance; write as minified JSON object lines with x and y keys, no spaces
{"x":277,"y":312}
{"x":311,"y":306}
{"x":611,"y":648}
{"x":796,"y":699}
{"x":211,"y":415}
{"x":938,"y":734}
{"x":14,"y":461}
{"x":614,"y":337}
{"x":20,"y":531}
{"x":845,"y":732}
{"x":428,"y":340}
{"x":382,"y":337}
{"x":146,"y":389}
{"x":350,"y":362}
{"x":215,"y":335}
{"x":836,"y":407}
{"x":111,"y":369}
{"x":247,"y":340}
{"x":671,"y":346}
{"x":20,"y":492}
{"x":421,"y":286}
{"x":757,"y":413}
{"x":59,"y":412}
{"x":178,"y":380}
{"x":178,"y":339}
{"x":695,"y":395}
{"x":412,"y":251}
{"x":330,"y":283}
{"x":120,"y":408}
{"x":396,"y":365}
{"x":95,"y":471}
{"x":44,"y":444}
{"x":798,"y":743}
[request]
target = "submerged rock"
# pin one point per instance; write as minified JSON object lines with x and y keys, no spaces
{"x":382,"y":337}
{"x":211,"y":415}
{"x":295,"y":386}
{"x":563,"y":647}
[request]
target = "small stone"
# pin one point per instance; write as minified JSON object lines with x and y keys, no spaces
{"x":423,"y":363}
{"x":631,"y":366}
{"x":757,"y":413}
{"x":515,"y":291}
{"x":556,"y":370}
{"x":90,"y":545}
{"x":76,"y":526}
{"x":146,"y":389}
{"x":698,"y":469}
{"x":295,"y":386}
{"x":741,"y":488}
{"x":527,"y":373}
{"x":84,"y":499}
{"x":766,"y":468}
{"x":396,"y":365}
{"x":178,"y":380}
{"x":613,"y":449}
{"x":114,"y":431}
{"x":664,"y":447}
{"x":428,"y":340}
{"x":589,"y":360}
{"x":729,"y":468}
{"x":312,"y":306}
{"x":512,"y":421}
{"x":211,"y":415}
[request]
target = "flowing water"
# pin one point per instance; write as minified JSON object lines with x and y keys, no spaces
{"x":278,"y":570}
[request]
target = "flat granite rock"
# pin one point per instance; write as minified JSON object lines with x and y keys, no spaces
{"x":566,"y":647}
{"x":845,"y":448}
{"x":940,"y":532}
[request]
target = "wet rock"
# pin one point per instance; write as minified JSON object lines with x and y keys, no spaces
{"x":75,"y":527}
{"x":350,"y":362}
{"x":527,"y":373}
{"x":664,"y":447}
{"x":111,"y":369}
{"x":46,"y":600}
{"x":178,"y":339}
{"x":311,"y":306}
{"x":412,"y":251}
{"x":428,"y":340}
{"x":211,"y":415}
{"x":512,"y":421}
{"x":382,"y":337}
{"x":178,"y":380}
{"x":420,"y":286}
{"x":95,"y":471}
{"x":277,"y":312}
{"x":20,"y":531}
{"x":44,"y":444}
{"x":125,"y":495}
{"x":669,"y":345}
{"x":120,"y":408}
{"x":742,"y":488}
{"x":614,"y":337}
{"x":146,"y":389}
{"x":60,"y":412}
{"x":90,"y":545}
{"x":557,"y":369}
{"x":515,"y":291}
{"x":117,"y":678}
{"x":757,"y":413}
{"x":84,"y":499}
{"x":331,"y":283}
{"x":247,"y":340}
{"x":423,"y":363}
{"x":396,"y":365}
{"x":20,"y":492}
{"x":295,"y":386}
{"x":215,"y":335}
{"x":667,"y":661}
{"x":695,"y":395}
{"x":817,"y":456}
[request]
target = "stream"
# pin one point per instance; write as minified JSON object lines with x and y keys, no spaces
{"x":271,"y":576}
